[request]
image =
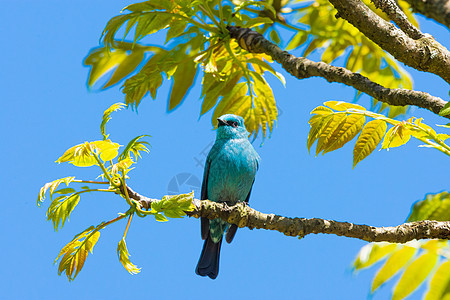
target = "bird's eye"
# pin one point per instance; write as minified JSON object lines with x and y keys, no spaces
{"x":234,"y":124}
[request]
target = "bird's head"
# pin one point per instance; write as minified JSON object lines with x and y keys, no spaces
{"x":231,"y":127}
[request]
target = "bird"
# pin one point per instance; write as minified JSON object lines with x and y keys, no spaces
{"x":228,"y":177}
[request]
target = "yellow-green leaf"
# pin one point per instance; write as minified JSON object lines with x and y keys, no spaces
{"x":440,"y":284}
{"x":433,"y":207}
{"x":107,"y":117}
{"x":122,"y":253}
{"x":182,"y":81}
{"x":343,"y":106}
{"x":298,"y":39}
{"x":52,"y":186}
{"x":368,"y":140}
{"x":393,"y":264}
{"x":396,"y":136}
{"x":321,"y":110}
{"x":346,"y":131}
{"x":372,"y":253}
{"x":82,"y":155}
{"x":328,"y":130}
{"x":318,"y":123}
{"x":61,"y":208}
{"x":76,"y":251}
{"x":414,"y":275}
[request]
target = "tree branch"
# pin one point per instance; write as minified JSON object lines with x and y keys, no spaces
{"x":245,"y":216}
{"x":424,"y":54}
{"x":301,"y":68}
{"x":438,"y":10}
{"x":394,"y":13}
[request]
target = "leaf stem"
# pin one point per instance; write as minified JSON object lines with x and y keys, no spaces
{"x":210,"y":15}
{"x":90,"y":181}
{"x":102,"y":167}
{"x":128,"y":225}
{"x":245,"y":71}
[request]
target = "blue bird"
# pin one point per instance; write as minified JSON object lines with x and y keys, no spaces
{"x":228,"y":177}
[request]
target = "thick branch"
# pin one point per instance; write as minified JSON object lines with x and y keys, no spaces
{"x":245,"y":216}
{"x":394,"y":13}
{"x":438,"y":10}
{"x":301,"y":68}
{"x":424,"y":54}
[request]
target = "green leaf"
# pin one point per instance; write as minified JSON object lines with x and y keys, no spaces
{"x":76,"y":251}
{"x":52,"y":186}
{"x":160,"y":218}
{"x":372,"y":253}
{"x":298,"y":39}
{"x":172,"y":206}
{"x":122,"y":253}
{"x":107,"y":116}
{"x":65,"y":191}
{"x":182,"y":81}
{"x":176,"y":28}
{"x":253,"y":22}
{"x":61,"y":208}
{"x":414,"y":275}
{"x":433,"y":207}
{"x":445,"y":110}
{"x":135,"y":146}
{"x":393,"y":264}
{"x":275,"y":37}
{"x":128,"y":65}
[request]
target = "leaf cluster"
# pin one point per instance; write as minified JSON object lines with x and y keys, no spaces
{"x":416,"y":261}
{"x":337,"y":123}
{"x":197,"y":37}
{"x":101,"y":153}
{"x":74,"y":254}
{"x":172,"y":206}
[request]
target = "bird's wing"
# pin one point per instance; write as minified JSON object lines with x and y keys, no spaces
{"x":204,"y":221}
{"x":231,"y":232}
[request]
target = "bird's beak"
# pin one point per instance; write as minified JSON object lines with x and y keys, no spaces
{"x":221,"y":122}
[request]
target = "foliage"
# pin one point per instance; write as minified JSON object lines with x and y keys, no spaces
{"x":433,"y":207}
{"x":75,"y":252}
{"x":100,"y":153}
{"x":416,"y":260}
{"x":197,"y":44}
{"x":336,"y":38}
{"x":229,"y":73}
{"x":336,"y":123}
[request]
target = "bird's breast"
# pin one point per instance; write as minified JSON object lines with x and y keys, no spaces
{"x":232,"y":172}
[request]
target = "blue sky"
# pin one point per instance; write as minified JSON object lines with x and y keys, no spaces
{"x":47,"y":108}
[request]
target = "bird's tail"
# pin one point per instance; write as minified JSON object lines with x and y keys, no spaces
{"x":208,"y":264}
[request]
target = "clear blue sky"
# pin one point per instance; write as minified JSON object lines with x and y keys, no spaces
{"x":46,"y":108}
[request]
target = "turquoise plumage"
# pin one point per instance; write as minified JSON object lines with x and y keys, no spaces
{"x":229,"y":174}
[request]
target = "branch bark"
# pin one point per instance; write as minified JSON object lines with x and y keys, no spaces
{"x":394,"y":13}
{"x":424,"y":54}
{"x":245,"y":216}
{"x":301,"y":68}
{"x":438,"y":10}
